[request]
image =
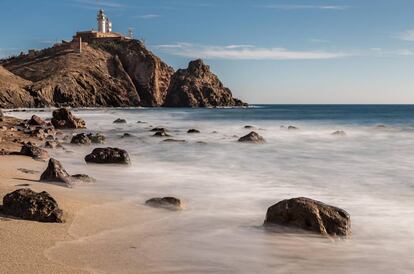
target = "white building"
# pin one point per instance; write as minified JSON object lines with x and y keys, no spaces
{"x":104,"y":24}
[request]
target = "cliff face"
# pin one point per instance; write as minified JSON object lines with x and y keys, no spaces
{"x":197,"y":86}
{"x":12,"y":92}
{"x":149,"y":74}
{"x":112,"y":73}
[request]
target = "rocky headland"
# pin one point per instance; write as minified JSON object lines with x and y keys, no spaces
{"x":107,"y":73}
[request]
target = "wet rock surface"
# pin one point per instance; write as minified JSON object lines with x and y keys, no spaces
{"x":29,"y":205}
{"x":120,"y":121}
{"x":312,"y":215}
{"x":108,"y":156}
{"x":166,"y":202}
{"x":253,"y":138}
{"x":81,"y":139}
{"x":193,"y":131}
{"x":64,"y":119}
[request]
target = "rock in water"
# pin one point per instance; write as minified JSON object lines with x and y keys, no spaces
{"x":310,"y":215}
{"x":97,"y":138}
{"x":339,"y":133}
{"x":30,"y":205}
{"x":1,"y":116}
{"x":64,"y":119}
{"x":82,"y":178}
{"x":252,"y":137}
{"x":36,"y":121}
{"x":33,"y":151}
{"x":166,"y":202}
{"x":120,"y":121}
{"x":108,"y":156}
{"x":192,"y":131}
{"x":81,"y":139}
{"x":292,"y":128}
{"x":55,"y":173}
{"x":197,"y":86}
{"x":161,"y":134}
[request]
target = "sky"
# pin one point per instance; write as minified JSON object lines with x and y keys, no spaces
{"x":265,"y":51}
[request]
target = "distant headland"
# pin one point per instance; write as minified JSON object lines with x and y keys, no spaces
{"x":102,"y":68}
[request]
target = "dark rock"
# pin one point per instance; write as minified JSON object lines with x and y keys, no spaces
{"x":197,"y":86}
{"x":249,"y":127}
{"x":252,"y":137}
{"x":108,"y":156}
{"x":1,"y":116}
{"x":166,"y":202}
{"x":161,"y":134}
{"x":141,"y":122}
{"x":339,"y":133}
{"x":174,"y":141}
{"x":82,"y":178}
{"x":81,"y":139}
{"x":97,"y":138}
{"x":36,"y":121}
{"x":310,"y":215}
{"x":52,"y":144}
{"x":55,"y":173}
{"x":30,"y":205}
{"x":156,"y":129}
{"x":33,"y":151}
{"x":191,"y":131}
{"x":292,"y":128}
{"x":64,"y":119}
{"x":120,"y":121}
{"x":127,"y":135}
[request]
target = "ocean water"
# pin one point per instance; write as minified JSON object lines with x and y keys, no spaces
{"x":227,"y":187}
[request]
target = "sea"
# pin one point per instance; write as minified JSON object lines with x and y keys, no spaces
{"x":227,"y":186}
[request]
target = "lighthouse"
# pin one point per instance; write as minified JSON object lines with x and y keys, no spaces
{"x":102,"y":21}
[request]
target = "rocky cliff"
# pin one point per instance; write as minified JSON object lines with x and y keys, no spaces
{"x":197,"y":86}
{"x":112,"y":73}
{"x":12,"y":92}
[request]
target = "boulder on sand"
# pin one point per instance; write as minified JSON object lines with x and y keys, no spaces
{"x":108,"y":155}
{"x":30,"y":205}
{"x":55,"y":173}
{"x":310,"y":215}
{"x":252,"y":137}
{"x":31,"y":150}
{"x":36,"y":121}
{"x":166,"y":202}
{"x":64,"y":119}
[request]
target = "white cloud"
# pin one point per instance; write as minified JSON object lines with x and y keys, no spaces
{"x":148,"y":16}
{"x":406,"y":35}
{"x":306,"y":7}
{"x":245,"y":52}
{"x":99,"y":4}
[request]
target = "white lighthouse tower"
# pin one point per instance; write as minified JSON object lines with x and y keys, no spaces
{"x":102,"y":21}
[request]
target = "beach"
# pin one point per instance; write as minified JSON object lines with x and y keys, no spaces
{"x":226,"y":188}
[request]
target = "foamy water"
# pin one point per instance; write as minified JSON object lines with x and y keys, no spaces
{"x":228,"y":186}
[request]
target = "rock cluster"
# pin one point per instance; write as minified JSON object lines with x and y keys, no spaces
{"x":30,"y":205}
{"x":310,"y":215}
{"x":31,"y":150}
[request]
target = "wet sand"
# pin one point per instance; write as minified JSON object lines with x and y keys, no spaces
{"x":24,"y":243}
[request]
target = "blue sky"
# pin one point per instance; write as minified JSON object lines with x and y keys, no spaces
{"x":266,"y":51}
